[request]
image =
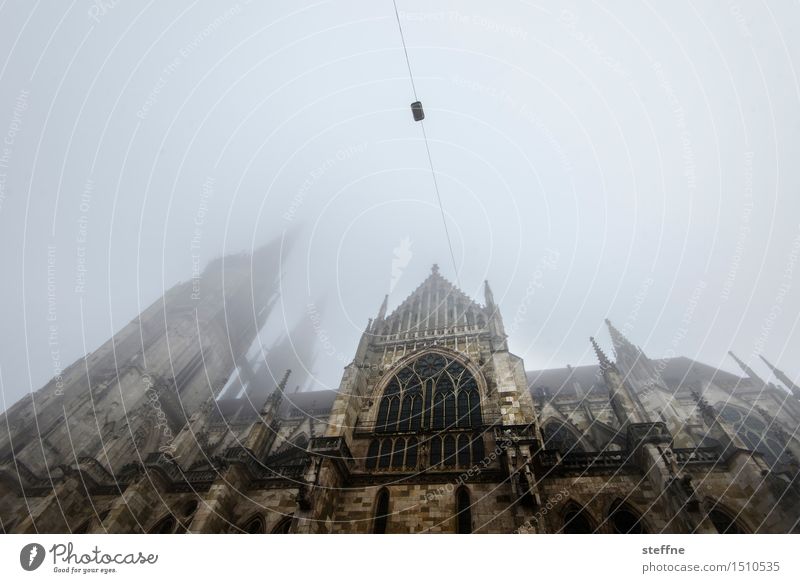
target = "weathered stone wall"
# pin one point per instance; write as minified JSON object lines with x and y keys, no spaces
{"x":425,"y":508}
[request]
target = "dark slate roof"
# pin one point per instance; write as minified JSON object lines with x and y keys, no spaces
{"x":235,"y":410}
{"x":312,"y":403}
{"x":243,"y":409}
{"x":561,"y":381}
{"x":683,"y":372}
{"x":678,"y":373}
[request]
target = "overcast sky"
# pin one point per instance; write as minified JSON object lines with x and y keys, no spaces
{"x":637,"y":161}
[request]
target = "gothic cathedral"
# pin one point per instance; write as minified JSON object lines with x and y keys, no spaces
{"x":435,"y":428}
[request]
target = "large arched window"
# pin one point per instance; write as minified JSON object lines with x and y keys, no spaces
{"x":432,"y":392}
{"x":381,"y":512}
{"x":463,"y":511}
{"x":753,"y":431}
{"x":623,"y":520}
{"x":558,"y":436}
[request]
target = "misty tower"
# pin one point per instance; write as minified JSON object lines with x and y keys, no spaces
{"x":135,"y":392}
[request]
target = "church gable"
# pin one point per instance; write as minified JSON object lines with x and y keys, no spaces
{"x":436,"y":305}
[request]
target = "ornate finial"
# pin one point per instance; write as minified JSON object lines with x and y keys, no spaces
{"x":435,"y":268}
{"x":768,"y":363}
{"x":775,"y":428}
{"x":382,"y":309}
{"x":618,"y":339}
{"x":276,"y":397}
{"x":708,"y":411}
{"x":605,"y":363}
{"x":783,"y":377}
{"x":487,"y":294}
{"x":746,"y":369}
{"x":736,"y":358}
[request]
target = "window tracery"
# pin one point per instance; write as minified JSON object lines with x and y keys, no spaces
{"x":754,"y":432}
{"x":430,"y":393}
{"x":557,"y":436}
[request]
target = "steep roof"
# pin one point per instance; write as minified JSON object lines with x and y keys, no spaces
{"x":678,"y":373}
{"x":312,"y":403}
{"x":434,"y":305}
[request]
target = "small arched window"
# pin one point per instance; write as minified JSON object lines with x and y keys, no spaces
{"x":436,"y":450}
{"x":284,"y":526}
{"x":624,"y":521}
{"x":255,"y":525}
{"x":463,"y":450}
{"x":381,"y":512}
{"x":386,"y":453}
{"x":755,"y":433}
{"x":164,"y":526}
{"x":463,"y":512}
{"x":576,"y":521}
{"x":558,"y":436}
{"x":399,"y":452}
{"x":190,"y":508}
{"x":372,"y":454}
{"x":724,"y":522}
{"x":411,"y":453}
{"x":449,"y":450}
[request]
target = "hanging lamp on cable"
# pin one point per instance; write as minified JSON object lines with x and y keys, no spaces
{"x":417,"y":111}
{"x":419,"y":115}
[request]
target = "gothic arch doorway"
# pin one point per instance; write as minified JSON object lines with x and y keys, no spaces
{"x":463,"y":511}
{"x":381,"y":519}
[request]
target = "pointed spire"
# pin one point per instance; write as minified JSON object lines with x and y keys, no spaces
{"x":783,"y":377}
{"x":618,"y":339}
{"x":284,"y":380}
{"x":435,"y":304}
{"x":382,"y":310}
{"x":747,"y":370}
{"x":605,"y":363}
{"x":772,"y":367}
{"x":487,"y":294}
{"x":778,"y":431}
{"x":275,"y":399}
{"x":706,"y":410}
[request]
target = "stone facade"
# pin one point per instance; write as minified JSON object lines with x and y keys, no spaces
{"x":436,"y":427}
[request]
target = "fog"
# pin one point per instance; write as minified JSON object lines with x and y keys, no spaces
{"x":624,"y":160}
